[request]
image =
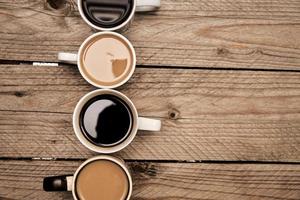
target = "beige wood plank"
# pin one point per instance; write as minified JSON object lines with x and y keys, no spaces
{"x":212,"y":33}
{"x":207,"y":114}
{"x":23,"y":180}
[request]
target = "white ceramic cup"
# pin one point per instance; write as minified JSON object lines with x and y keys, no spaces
{"x":68,"y":182}
{"x":137,"y":123}
{"x":73,"y":58}
{"x":139,"y":6}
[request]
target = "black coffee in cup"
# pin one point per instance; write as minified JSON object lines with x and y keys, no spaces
{"x":106,"y":120}
{"x":107,"y":13}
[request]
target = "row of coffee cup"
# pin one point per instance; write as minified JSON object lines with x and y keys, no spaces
{"x":105,"y":120}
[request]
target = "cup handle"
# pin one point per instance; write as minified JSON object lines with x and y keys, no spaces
{"x":58,"y":183}
{"x":149,"y":124}
{"x":147,"y":5}
{"x":70,"y":58}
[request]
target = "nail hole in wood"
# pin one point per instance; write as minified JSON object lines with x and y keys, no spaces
{"x":173,"y":114}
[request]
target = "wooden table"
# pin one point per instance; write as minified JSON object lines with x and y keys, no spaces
{"x":222,"y":75}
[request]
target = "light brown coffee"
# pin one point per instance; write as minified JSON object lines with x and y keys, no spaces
{"x":102,"y":179}
{"x":106,"y":60}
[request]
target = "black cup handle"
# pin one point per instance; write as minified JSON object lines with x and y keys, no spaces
{"x":57,"y":183}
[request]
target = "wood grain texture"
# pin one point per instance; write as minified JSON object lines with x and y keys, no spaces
{"x":207,"y":114}
{"x":22,"y":180}
{"x":213,"y":33}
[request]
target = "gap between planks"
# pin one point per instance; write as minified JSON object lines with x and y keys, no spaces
{"x":231,"y":162}
{"x":24,"y":62}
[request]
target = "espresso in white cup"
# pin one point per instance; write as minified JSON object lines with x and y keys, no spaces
{"x":106,"y":121}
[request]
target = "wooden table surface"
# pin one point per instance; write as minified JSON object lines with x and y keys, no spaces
{"x":222,"y":75}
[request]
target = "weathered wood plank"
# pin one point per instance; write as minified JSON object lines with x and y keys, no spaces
{"x":207,"y":115}
{"x":51,"y":136}
{"x":23,"y":180}
{"x":213,"y":33}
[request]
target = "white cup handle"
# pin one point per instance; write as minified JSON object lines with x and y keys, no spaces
{"x":70,"y":58}
{"x":147,"y":5}
{"x":69,"y":183}
{"x":149,"y":124}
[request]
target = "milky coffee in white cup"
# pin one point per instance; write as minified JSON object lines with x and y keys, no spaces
{"x":100,"y":177}
{"x":105,"y":59}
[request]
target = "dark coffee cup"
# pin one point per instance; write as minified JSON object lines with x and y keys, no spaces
{"x":111,"y":15}
{"x":106,"y":121}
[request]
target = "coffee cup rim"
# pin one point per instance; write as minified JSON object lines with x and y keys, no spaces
{"x":102,"y":28}
{"x":118,"y":161}
{"x":82,"y":48}
{"x":104,"y":149}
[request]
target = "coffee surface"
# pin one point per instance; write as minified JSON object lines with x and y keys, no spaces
{"x":102,"y":179}
{"x":105,"y":120}
{"x":107,"y":13}
{"x":106,"y":60}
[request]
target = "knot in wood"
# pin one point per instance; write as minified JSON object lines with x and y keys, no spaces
{"x":19,"y":94}
{"x":222,"y":51}
{"x":57,"y":4}
{"x":145,"y":169}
